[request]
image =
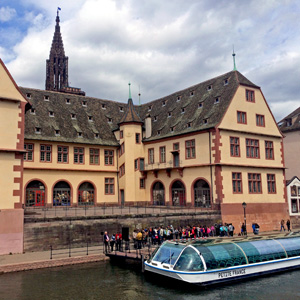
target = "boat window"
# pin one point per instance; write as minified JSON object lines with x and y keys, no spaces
{"x":189,"y":260}
{"x":222,"y":256}
{"x":264,"y":250}
{"x":168,"y":253}
{"x":291,"y":246}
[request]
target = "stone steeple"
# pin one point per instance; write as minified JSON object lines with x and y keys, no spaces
{"x":57,"y":66}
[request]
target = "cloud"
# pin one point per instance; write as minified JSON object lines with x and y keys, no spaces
{"x":7,"y":13}
{"x":162,"y":46}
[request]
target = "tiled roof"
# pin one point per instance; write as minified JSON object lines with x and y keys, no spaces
{"x":196,"y":108}
{"x":291,"y":122}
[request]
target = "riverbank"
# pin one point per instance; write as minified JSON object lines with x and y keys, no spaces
{"x":42,"y":259}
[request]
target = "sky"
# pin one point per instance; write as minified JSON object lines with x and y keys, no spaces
{"x":159,"y":46}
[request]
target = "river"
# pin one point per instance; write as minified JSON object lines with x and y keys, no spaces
{"x":108,"y":281}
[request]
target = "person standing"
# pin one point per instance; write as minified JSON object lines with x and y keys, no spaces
{"x":106,"y":240}
{"x":118,"y":241}
{"x":112,"y":242}
{"x":288,"y":225}
{"x":139,"y":238}
{"x":282,"y":225}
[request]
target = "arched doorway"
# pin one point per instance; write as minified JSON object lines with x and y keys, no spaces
{"x":61,"y":194}
{"x":178,"y":194}
{"x":86,"y":194}
{"x":158,"y":193}
{"x":201,"y":194}
{"x":35,"y":194}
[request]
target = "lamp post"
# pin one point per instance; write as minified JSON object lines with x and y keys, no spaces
{"x":244,"y":204}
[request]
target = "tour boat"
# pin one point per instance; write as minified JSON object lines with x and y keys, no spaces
{"x":217,"y":261}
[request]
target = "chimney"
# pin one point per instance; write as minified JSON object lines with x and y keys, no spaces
{"x":148,"y":126}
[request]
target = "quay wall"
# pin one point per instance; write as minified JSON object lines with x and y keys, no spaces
{"x":39,"y":235}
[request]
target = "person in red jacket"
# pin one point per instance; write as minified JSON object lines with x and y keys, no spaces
{"x":118,"y":241}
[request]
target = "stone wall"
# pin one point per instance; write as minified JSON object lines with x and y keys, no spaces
{"x":39,"y":236}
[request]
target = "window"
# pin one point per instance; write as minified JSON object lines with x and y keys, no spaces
{"x":121,"y":109}
{"x":121,"y":134}
{"x":269,"y":150}
{"x":190,"y":149}
{"x":162,"y":154}
{"x":158,"y":132}
{"x":155,"y":118}
{"x":96,"y":135}
{"x":178,"y":98}
{"x":189,"y":125}
{"x":109,"y":120}
{"x":192,"y":93}
{"x":84,"y":103}
{"x":78,"y":155}
{"x":103,"y":106}
{"x":254,"y":183}
{"x":252,"y":148}
{"x":79,"y":134}
{"x":109,"y":157}
{"x":209,"y":87}
{"x":205,"y":121}
{"x":109,"y":186}
{"x":122,"y":170}
{"x":260,"y":120}
{"x":250,"y":96}
{"x":68,"y":101}
{"x":169,"y":114}
{"x":136,"y":164}
{"x":122,"y":149}
{"x":151,"y":156}
{"x":164,"y":103}
{"x":28,"y":96}
{"x":94,"y":156}
{"x":137,"y":138}
{"x":142,"y":183}
{"x":172,"y":129}
{"x":28,"y":156}
{"x":241,"y":117}
{"x":235,"y":146}
{"x":183,"y":110}
{"x":142,"y":164}
{"x":271,"y":183}
{"x":38,"y":130}
{"x":176,"y":146}
{"x":62,"y":154}
{"x":289,"y":122}
{"x":200,"y":105}
{"x":73,"y":116}
{"x":46,"y":153}
{"x":217,"y":100}
{"x":149,"y":107}
{"x":90,"y":118}
{"x":46,"y":97}
{"x":32,"y":111}
{"x":237,"y":183}
{"x":226,"y":81}
{"x":57,"y":132}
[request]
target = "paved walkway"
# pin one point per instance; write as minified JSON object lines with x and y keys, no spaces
{"x":38,"y":260}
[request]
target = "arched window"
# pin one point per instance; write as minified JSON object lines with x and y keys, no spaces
{"x":158,"y":194}
{"x":61,"y":194}
{"x":202,"y":194}
{"x":178,"y":194}
{"x":86,"y":193}
{"x":35,"y":194}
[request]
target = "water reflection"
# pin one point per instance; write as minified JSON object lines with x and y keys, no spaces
{"x":109,"y":281}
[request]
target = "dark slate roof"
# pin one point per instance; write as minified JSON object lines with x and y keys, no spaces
{"x":290,"y":122}
{"x":199,"y":110}
{"x":288,"y":182}
{"x":130,"y":115}
{"x":105,"y":115}
{"x":196,"y":110}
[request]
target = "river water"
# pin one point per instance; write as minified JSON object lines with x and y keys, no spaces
{"x":108,"y":281}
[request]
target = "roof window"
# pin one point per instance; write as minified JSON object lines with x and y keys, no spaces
{"x":289,"y":122}
{"x":79,"y":134}
{"x":121,"y":109}
{"x":182,"y":110}
{"x":192,"y":93}
{"x":84,"y":103}
{"x":68,"y":101}
{"x":38,"y":130}
{"x":96,"y":135}
{"x":149,"y":107}
{"x":57,"y":132}
{"x":178,"y":98}
{"x":46,"y":97}
{"x":155,"y":118}
{"x":28,"y":95}
{"x":158,"y":132}
{"x":169,"y":114}
{"x":200,"y":105}
{"x":73,"y":116}
{"x":226,"y":81}
{"x":103,"y":106}
{"x":217,"y":100}
{"x":109,"y":120}
{"x":90,"y":118}
{"x":172,"y":128}
{"x":51,"y":113}
{"x":205,"y":121}
{"x":189,"y":125}
{"x":209,"y":87}
{"x":32,"y":111}
{"x":164,"y":103}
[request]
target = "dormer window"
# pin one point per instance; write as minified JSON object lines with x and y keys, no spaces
{"x":158,"y":132}
{"x":121,"y":109}
{"x":178,"y":98}
{"x":289,"y":122}
{"x":164,"y":103}
{"x":28,"y":95}
{"x":205,"y":121}
{"x":84,"y":103}
{"x":155,"y":118}
{"x":169,"y":114}
{"x":109,"y":120}
{"x":68,"y":101}
{"x":217,"y":100}
{"x":103,"y":106}
{"x":51,"y":113}
{"x":189,"y":125}
{"x":149,"y":107}
{"x":96,"y":135}
{"x":192,"y":93}
{"x":90,"y":118}
{"x":79,"y":134}
{"x":57,"y":132}
{"x":38,"y":130}
{"x":183,"y":110}
{"x":172,"y":129}
{"x":32,"y":111}
{"x":73,"y":116}
{"x":200,"y":105}
{"x":46,"y":97}
{"x":209,"y":87}
{"x":226,"y":81}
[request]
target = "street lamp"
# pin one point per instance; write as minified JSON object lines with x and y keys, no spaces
{"x":244,"y":204}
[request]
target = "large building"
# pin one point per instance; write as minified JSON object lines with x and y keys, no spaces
{"x":213,"y":145}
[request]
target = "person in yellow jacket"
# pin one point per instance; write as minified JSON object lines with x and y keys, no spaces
{"x":139,"y":238}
